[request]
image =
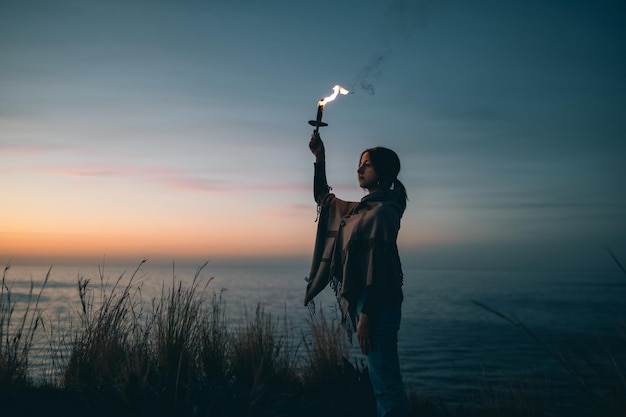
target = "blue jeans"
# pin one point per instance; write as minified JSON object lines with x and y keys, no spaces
{"x":383,"y":363}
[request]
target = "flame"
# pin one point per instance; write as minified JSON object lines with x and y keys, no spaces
{"x":336,"y":91}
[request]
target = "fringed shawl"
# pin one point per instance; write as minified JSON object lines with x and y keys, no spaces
{"x":355,"y":248}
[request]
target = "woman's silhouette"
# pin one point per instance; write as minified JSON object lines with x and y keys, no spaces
{"x":357,"y":254}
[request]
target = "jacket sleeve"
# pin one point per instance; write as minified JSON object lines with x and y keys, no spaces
{"x":320,"y":186}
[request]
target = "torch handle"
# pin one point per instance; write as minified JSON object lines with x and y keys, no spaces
{"x":318,"y":119}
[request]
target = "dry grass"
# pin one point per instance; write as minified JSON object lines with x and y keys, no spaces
{"x":327,"y":350}
{"x":16,"y":337}
{"x":215,"y":348}
{"x":109,"y":344}
{"x":178,"y":319}
{"x":180,"y":358}
{"x":261,"y":352}
{"x":329,"y":373}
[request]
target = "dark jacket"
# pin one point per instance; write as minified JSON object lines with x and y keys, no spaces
{"x":356,"y":250}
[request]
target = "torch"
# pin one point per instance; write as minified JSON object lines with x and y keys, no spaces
{"x":320,"y":107}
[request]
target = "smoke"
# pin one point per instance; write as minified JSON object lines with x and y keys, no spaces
{"x":373,"y":71}
{"x":395,"y":29}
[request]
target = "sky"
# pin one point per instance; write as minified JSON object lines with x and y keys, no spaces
{"x":177,"y":131}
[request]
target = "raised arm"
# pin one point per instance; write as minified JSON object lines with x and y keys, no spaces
{"x":320,"y":186}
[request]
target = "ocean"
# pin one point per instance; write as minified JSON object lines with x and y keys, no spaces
{"x":453,"y":341}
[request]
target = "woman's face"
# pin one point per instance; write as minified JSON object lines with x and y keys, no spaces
{"x":368,"y":178}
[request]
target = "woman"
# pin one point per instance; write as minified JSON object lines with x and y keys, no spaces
{"x":356,"y":253}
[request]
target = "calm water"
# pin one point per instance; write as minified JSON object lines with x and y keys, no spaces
{"x":448,"y":345}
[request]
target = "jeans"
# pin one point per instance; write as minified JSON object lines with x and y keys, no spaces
{"x":383,"y":363}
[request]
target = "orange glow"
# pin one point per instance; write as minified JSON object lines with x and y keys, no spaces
{"x":336,"y":91}
{"x":213,"y":240}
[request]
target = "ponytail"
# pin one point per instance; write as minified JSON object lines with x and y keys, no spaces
{"x":400,"y":190}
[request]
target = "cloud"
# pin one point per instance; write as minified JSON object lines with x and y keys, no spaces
{"x":291,"y":211}
{"x":179,"y":179}
{"x":14,"y":149}
{"x":196,"y":184}
{"x":214,"y":184}
{"x":110,"y":171}
{"x":161,"y":176}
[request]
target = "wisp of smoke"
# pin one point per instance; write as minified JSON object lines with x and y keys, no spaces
{"x":370,"y":73}
{"x":396,"y":27}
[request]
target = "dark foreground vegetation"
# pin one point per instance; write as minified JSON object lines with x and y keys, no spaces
{"x":176,"y":356}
